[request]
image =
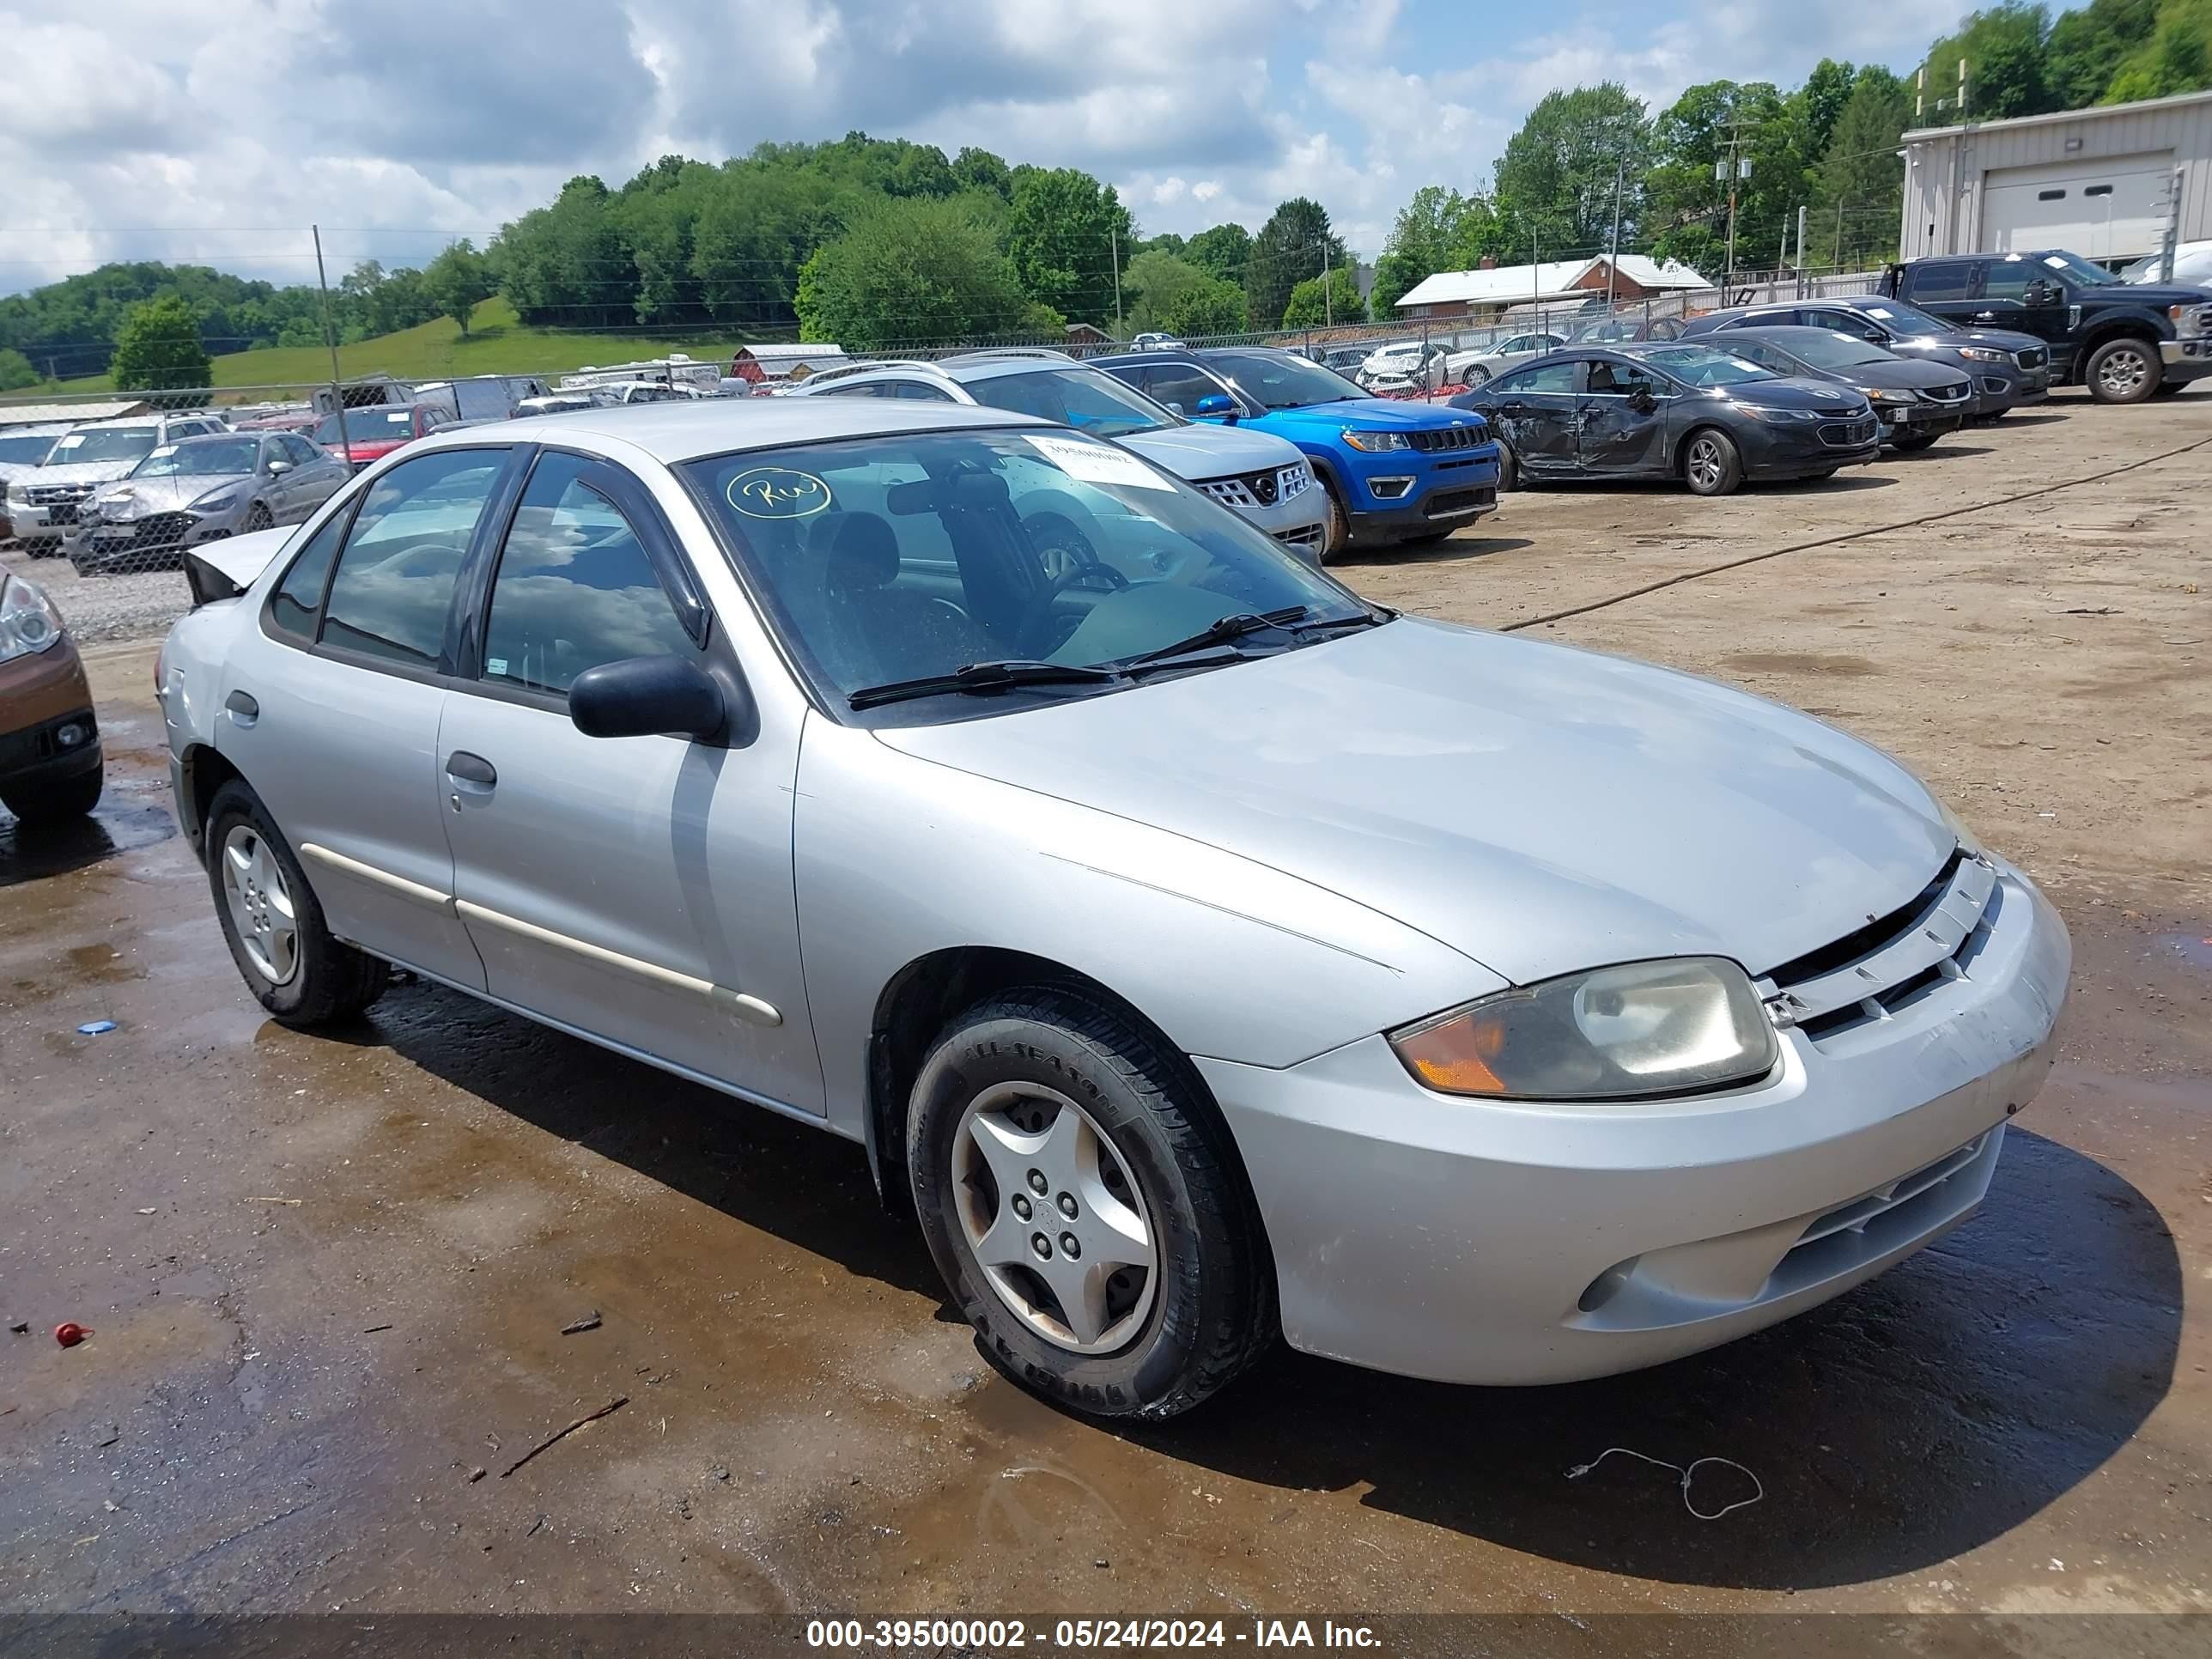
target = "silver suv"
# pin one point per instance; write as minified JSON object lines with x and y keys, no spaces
{"x":42,"y":504}
{"x":1260,"y":477}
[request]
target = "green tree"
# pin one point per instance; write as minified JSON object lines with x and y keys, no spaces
{"x":1208,"y":306}
{"x":979,"y":169}
{"x":16,"y":371}
{"x":1318,"y":300}
{"x":1555,"y":181}
{"x":2087,"y":46}
{"x":2177,"y":58}
{"x":1223,"y":251}
{"x":1062,"y":231}
{"x":567,"y":266}
{"x":1861,"y":179}
{"x":915,"y":271}
{"x":1818,"y":105}
{"x":158,"y":347}
{"x":458,"y":281}
{"x":2006,"y":74}
{"x":1151,"y":283}
{"x":1295,"y":243}
{"x":1425,"y":237}
{"x":1686,"y":193}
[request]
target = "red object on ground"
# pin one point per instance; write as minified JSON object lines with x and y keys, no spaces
{"x":68,"y":1334}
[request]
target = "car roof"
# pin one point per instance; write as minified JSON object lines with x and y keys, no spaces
{"x":1783,"y":334}
{"x":687,"y":429}
{"x":229,"y":435}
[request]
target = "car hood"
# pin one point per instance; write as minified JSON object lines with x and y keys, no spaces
{"x":132,"y":497}
{"x":1901,"y":374}
{"x":1539,"y":809}
{"x":2149,"y":293}
{"x":1201,"y":451}
{"x":79,"y":473}
{"x":1374,"y":412}
{"x":2005,"y":339}
{"x":1790,"y":391}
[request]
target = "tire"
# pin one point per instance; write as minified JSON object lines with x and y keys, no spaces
{"x":1712,"y":464}
{"x":2126,"y":370}
{"x":1336,"y":527}
{"x":1916,"y":443}
{"x":1150,"y":1171}
{"x":258,"y":517}
{"x":1510,"y":476}
{"x":313,"y":980}
{"x":73,"y":797}
{"x":1476,"y":375}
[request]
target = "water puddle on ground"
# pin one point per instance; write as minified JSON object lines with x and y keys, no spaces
{"x":118,"y":824}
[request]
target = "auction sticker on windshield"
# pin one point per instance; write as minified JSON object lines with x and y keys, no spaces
{"x":778,"y":492}
{"x":1096,"y":464}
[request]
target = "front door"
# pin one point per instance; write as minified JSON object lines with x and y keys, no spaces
{"x":2024,"y":295}
{"x":635,"y":890}
{"x":1623,"y":420}
{"x":331,"y":709}
{"x":1536,"y":410}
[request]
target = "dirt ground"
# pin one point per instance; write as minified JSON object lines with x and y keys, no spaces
{"x":327,"y":1276}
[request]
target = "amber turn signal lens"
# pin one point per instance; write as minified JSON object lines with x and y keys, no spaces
{"x":1454,"y":1056}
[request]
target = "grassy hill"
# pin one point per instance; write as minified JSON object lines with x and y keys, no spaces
{"x":495,"y":344}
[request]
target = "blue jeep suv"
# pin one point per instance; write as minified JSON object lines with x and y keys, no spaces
{"x":1394,"y":471}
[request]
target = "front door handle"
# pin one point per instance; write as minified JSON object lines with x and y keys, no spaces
{"x":242,"y":708}
{"x":462,"y":767}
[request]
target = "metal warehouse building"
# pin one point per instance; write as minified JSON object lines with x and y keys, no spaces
{"x":2101,"y":182}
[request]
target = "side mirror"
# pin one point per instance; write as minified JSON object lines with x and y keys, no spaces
{"x":642,"y":696}
{"x":1215,"y":404}
{"x":277,"y":468}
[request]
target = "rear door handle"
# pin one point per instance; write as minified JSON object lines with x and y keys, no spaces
{"x":462,"y":767}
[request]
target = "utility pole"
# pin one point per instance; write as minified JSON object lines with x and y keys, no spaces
{"x":1735,"y":167}
{"x":1800,"y":250}
{"x":1612,"y":257}
{"x":1113,"y":247}
{"x":1840,"y":234}
{"x":1328,"y":300}
{"x":331,"y":338}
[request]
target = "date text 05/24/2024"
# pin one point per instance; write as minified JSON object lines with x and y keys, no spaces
{"x":902,"y":1635}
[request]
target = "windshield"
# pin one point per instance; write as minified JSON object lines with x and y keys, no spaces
{"x":1279,"y":380}
{"x":901,"y":557}
{"x":105,"y":443}
{"x":1902,"y":318}
{"x":19,"y":450}
{"x":1087,"y":399}
{"x":224,"y":455}
{"x":1829,"y":349}
{"x":2087,"y":272}
{"x":1703,"y":366}
{"x":368,"y":425}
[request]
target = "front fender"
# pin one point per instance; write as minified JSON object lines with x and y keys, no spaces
{"x":897,"y":857}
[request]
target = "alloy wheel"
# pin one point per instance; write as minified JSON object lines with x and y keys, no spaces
{"x":1054,"y":1218}
{"x":1705,"y":464}
{"x":260,"y":905}
{"x":2123,"y":373}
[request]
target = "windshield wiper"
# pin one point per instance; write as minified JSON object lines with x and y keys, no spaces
{"x":1221,"y":631}
{"x":977,"y":676}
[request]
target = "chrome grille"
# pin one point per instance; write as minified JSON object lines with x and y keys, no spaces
{"x":1262,"y":489}
{"x":58,"y":494}
{"x":1953,"y":391}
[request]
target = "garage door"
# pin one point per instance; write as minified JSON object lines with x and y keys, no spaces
{"x":2113,"y":208}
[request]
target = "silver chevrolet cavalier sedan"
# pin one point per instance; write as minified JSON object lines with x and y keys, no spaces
{"x":1203,"y":952}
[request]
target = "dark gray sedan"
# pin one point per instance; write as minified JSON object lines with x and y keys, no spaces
{"x":1693,"y":410}
{"x":1917,"y":402}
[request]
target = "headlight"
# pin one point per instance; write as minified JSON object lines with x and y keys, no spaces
{"x":1790,"y":414}
{"x":28,"y":620}
{"x":1645,"y":1027}
{"x":19,"y":493}
{"x":218,"y":500}
{"x":1985,"y":354}
{"x":1878,"y":395}
{"x":1374,"y":442}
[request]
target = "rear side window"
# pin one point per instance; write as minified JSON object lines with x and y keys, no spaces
{"x":298,"y":597}
{"x":395,"y":579}
{"x":575,"y":588}
{"x":1952,"y":280}
{"x":1549,"y":377}
{"x":1178,"y":387}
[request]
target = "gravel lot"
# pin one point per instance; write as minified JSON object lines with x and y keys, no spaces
{"x":105,"y":607}
{"x":327,"y":1275}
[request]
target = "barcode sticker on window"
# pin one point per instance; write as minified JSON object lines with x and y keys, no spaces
{"x":494,"y":665}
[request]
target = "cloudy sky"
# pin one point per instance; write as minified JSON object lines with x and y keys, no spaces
{"x":218,"y":132}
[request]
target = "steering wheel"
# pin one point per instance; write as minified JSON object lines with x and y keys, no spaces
{"x":1068,"y":560}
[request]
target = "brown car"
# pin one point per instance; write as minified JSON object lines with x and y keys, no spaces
{"x":49,"y":759}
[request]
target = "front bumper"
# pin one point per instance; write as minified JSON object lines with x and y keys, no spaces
{"x":51,"y":751}
{"x":1404,"y":493}
{"x":1774,"y":450}
{"x":1918,"y":421}
{"x":2000,"y":387}
{"x":1521,"y":1243}
{"x":1300,"y":523}
{"x":100,"y":544}
{"x":2186,"y":359}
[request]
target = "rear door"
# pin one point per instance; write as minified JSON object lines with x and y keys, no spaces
{"x":637,"y":889}
{"x":2019,"y":292}
{"x":1537,"y":408}
{"x":1947,"y":288}
{"x":332,"y":708}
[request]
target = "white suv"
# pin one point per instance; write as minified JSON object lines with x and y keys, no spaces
{"x":1257,"y":475}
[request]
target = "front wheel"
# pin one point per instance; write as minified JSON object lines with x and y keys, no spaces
{"x":274,"y":927}
{"x":2123,"y":371}
{"x":1336,"y":528}
{"x":1081,"y":1198}
{"x":1712,"y":463}
{"x":1917,"y":442}
{"x":258,"y":517}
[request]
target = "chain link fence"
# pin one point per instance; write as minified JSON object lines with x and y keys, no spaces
{"x":102,"y":494}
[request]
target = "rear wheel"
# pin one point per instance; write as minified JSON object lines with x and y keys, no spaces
{"x":1081,"y":1198}
{"x":1710,"y":462}
{"x":2123,"y":371}
{"x":290,"y":961}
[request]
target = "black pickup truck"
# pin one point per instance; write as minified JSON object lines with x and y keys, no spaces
{"x":2125,"y":341}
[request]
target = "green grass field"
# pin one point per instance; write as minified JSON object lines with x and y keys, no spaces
{"x":495,"y":344}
